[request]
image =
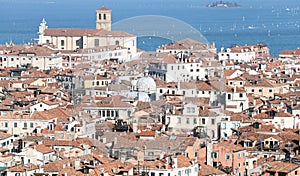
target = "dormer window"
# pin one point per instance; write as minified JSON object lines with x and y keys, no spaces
{"x":105,"y":102}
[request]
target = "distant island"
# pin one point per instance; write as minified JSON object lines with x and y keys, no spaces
{"x":223,"y":4}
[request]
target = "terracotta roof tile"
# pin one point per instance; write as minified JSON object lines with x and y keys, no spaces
{"x":59,"y":113}
{"x":262,"y":115}
{"x":283,"y":114}
{"x":282,"y":167}
{"x":228,"y":145}
{"x":37,"y":50}
{"x":4,"y":135}
{"x":114,"y":101}
{"x":84,"y":32}
{"x":23,"y":168}
{"x":44,"y":149}
{"x":146,"y":133}
{"x":209,"y":170}
{"x":103,"y":8}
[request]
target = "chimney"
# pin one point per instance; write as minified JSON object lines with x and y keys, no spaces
{"x":77,"y":163}
{"x":140,"y":156}
{"x":104,"y":140}
{"x":167,"y":162}
{"x":208,"y":152}
{"x":115,"y":140}
{"x":175,"y":162}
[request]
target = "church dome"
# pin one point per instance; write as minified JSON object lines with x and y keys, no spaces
{"x":144,"y":97}
{"x":132,"y":95}
{"x":146,"y":84}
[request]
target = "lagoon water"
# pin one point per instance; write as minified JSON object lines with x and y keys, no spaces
{"x":273,"y":22}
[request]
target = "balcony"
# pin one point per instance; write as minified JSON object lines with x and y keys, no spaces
{"x":267,"y":147}
{"x":121,"y":125}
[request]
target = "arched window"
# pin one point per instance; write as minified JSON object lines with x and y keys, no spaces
{"x":242,"y":106}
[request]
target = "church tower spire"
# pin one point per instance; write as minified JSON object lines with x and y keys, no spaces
{"x":42,"y":29}
{"x":103,"y":18}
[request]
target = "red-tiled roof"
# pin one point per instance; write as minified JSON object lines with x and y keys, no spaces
{"x":146,"y":133}
{"x":60,"y":114}
{"x":4,"y":135}
{"x":283,"y":114}
{"x":103,"y":8}
{"x":44,"y":149}
{"x":209,"y":170}
{"x":74,"y":32}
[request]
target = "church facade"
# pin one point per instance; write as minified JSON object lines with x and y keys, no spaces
{"x":75,"y":39}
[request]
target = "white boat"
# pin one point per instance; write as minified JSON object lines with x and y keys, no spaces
{"x":251,"y":27}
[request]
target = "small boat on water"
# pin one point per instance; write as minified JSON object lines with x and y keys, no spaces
{"x":251,"y":27}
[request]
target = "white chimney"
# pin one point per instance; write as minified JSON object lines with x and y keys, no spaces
{"x":175,"y":164}
{"x":208,"y":153}
{"x":77,"y":163}
{"x":115,"y":140}
{"x":104,"y":140}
